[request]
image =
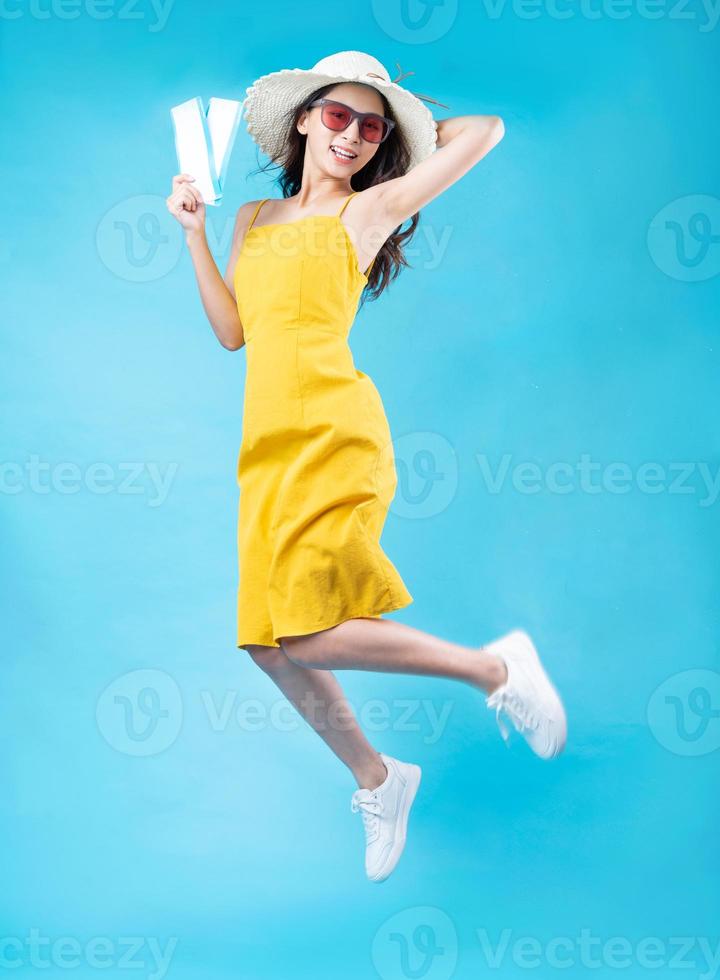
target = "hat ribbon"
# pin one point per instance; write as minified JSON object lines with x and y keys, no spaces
{"x":404,"y":74}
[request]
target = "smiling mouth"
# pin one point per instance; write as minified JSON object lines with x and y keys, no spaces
{"x":341,"y":153}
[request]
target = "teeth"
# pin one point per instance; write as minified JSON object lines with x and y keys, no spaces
{"x":343,"y":153}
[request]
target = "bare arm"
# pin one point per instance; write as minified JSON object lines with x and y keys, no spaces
{"x":217,"y":293}
{"x":216,"y":298}
{"x":462,"y":142}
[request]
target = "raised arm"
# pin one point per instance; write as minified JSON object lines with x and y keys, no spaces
{"x":462,"y":142}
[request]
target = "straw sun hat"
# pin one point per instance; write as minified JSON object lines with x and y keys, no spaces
{"x":270,"y":97}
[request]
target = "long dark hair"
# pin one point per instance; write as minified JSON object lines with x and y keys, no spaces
{"x":391,"y":160}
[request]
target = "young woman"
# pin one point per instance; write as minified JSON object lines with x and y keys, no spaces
{"x":359,"y":156}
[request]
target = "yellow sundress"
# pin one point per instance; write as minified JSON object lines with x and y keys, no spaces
{"x":316,"y":468}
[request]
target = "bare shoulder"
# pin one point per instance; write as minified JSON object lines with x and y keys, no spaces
{"x":242,"y":221}
{"x":244,"y":217}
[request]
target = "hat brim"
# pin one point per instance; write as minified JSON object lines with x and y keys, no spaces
{"x":270,"y":97}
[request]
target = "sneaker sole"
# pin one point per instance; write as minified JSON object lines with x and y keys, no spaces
{"x":413,"y":782}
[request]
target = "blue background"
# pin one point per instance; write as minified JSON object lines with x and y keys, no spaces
{"x":562,"y":319}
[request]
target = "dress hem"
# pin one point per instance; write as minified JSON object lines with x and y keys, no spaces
{"x":305,"y":631}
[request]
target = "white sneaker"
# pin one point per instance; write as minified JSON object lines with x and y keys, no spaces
{"x":385,"y":812}
{"x":527,"y":697}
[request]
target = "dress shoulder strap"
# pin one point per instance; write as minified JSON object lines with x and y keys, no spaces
{"x":345,"y":202}
{"x":260,"y":204}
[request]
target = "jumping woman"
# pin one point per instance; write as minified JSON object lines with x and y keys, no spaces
{"x":359,"y":156}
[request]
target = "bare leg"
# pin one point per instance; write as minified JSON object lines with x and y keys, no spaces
{"x":386,"y":645}
{"x":301,"y":669}
{"x":319,"y":698}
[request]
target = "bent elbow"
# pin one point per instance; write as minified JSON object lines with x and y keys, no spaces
{"x":488,"y":133}
{"x":497,"y":128}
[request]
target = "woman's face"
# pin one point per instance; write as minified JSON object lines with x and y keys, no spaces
{"x":323,"y":142}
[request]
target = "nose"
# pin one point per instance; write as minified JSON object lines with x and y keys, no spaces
{"x":353,"y":131}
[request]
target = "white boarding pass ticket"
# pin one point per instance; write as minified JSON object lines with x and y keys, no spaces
{"x":204,"y":142}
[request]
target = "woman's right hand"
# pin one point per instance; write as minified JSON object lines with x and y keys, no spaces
{"x":186,"y":204}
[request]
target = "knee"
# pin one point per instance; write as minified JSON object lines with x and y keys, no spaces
{"x":269,"y":659}
{"x":303,"y":650}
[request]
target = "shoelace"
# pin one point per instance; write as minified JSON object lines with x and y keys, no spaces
{"x":370,"y":806}
{"x":507,"y":700}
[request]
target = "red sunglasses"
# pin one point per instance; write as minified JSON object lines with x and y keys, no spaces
{"x":338,"y":116}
